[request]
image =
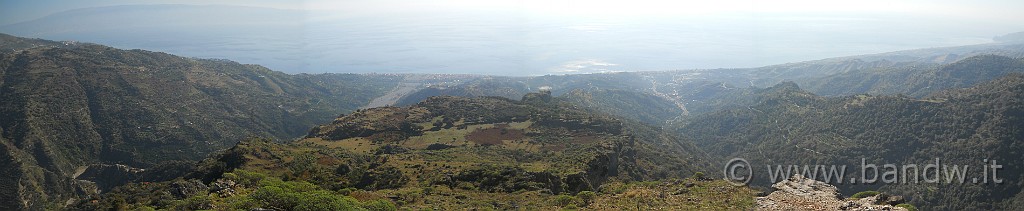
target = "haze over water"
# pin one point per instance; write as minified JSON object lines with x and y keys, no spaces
{"x":511,"y":39}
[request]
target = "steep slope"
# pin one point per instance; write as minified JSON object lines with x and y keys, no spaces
{"x":66,"y":106}
{"x":638,"y":106}
{"x":789,"y":126}
{"x":917,"y":81}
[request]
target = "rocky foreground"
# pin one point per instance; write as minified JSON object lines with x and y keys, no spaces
{"x":800,"y":193}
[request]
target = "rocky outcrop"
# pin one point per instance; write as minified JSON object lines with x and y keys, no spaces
{"x":506,"y":179}
{"x":188,"y":188}
{"x":799,"y":193}
{"x":108,"y":176}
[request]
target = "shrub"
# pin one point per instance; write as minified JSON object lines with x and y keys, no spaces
{"x":302,"y":163}
{"x":465,"y":186}
{"x":698,"y":175}
{"x":145,"y":208}
{"x":245,"y":178}
{"x":229,"y":176}
{"x":275,"y":197}
{"x":386,"y":177}
{"x":199,"y":202}
{"x":909,"y":207}
{"x":864,"y":194}
{"x":325,"y":200}
{"x":587,"y":197}
{"x":379,"y":205}
{"x":565,"y":200}
{"x":346,"y":191}
{"x":241,"y":202}
{"x":612,"y":188}
{"x":300,"y":195}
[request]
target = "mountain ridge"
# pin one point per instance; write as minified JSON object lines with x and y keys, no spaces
{"x":510,"y":152}
{"x":793,"y":127}
{"x":67,"y":105}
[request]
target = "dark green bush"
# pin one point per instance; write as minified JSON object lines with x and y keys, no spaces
{"x":587,"y":197}
{"x":698,"y":175}
{"x":909,"y":207}
{"x":379,"y":205}
{"x":275,"y":197}
{"x":565,"y":200}
{"x":864,"y":194}
{"x":326,"y":201}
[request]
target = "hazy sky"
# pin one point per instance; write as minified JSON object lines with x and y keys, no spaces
{"x":530,"y":37}
{"x":980,"y":10}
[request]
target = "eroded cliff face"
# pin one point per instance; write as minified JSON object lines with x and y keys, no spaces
{"x":107,"y":176}
{"x":800,"y":193}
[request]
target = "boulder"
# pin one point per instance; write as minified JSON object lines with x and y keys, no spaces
{"x":800,"y":193}
{"x":188,"y":188}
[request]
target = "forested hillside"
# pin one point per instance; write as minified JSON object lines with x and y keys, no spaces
{"x":790,"y":126}
{"x":917,"y":81}
{"x":64,"y":106}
